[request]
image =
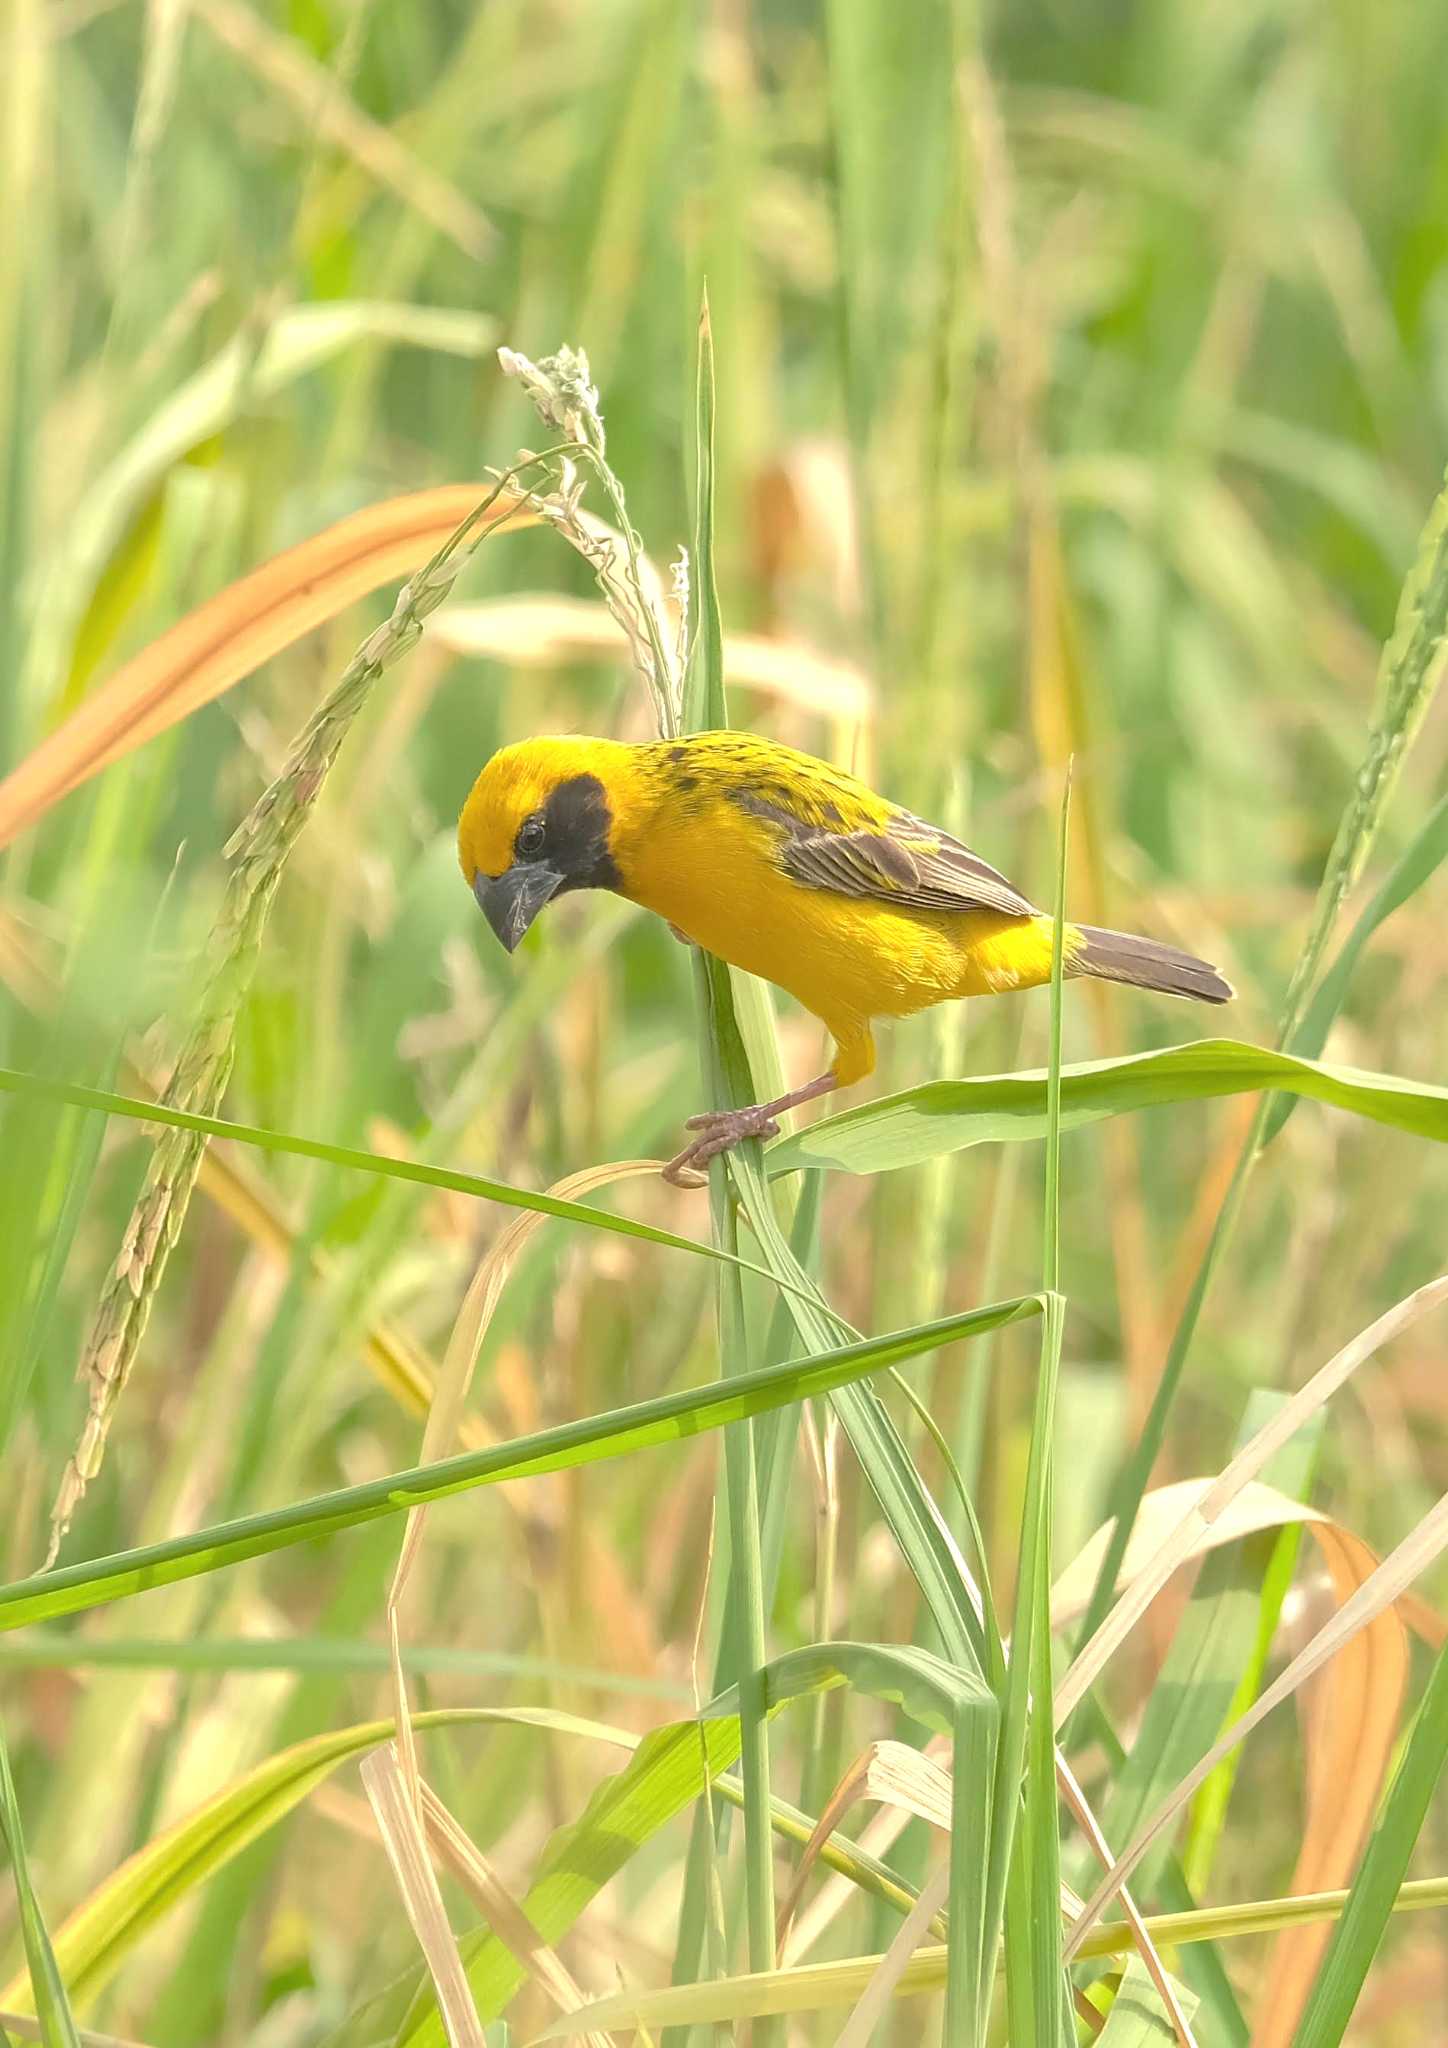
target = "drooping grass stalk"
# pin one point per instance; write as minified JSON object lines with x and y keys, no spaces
{"x":1408,"y":675}
{"x":562,"y":389}
{"x":258,"y":853}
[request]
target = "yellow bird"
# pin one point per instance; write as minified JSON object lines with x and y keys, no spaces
{"x":788,"y":868}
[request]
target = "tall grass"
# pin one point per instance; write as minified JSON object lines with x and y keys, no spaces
{"x":1069,"y":386}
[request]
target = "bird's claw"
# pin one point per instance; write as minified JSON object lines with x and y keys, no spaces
{"x":720,"y":1130}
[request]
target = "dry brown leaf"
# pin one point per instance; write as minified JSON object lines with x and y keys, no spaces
{"x":231,"y":635}
{"x":1350,"y":1723}
{"x":400,"y":1828}
{"x":910,"y":1781}
{"x":890,"y":1772}
{"x":1186,"y":1538}
{"x":503,"y":1913}
{"x":1420,"y":1548}
{"x":1350,"y":1716}
{"x":1258,"y":1506}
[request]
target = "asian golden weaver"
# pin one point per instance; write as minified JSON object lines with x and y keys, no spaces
{"x":788,"y":868}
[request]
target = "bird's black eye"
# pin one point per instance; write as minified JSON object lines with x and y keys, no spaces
{"x":530,"y":837}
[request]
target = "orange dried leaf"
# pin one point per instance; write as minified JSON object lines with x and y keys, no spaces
{"x":1350,"y":1723}
{"x":233,"y":633}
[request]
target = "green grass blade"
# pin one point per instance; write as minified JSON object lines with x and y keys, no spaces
{"x":914,"y":1519}
{"x":924,"y":1686}
{"x":674,"y":1418}
{"x":415,"y":1171}
{"x":57,"y":2027}
{"x":1138,"y":2019}
{"x":1020,"y":1946}
{"x":1033,"y":1919}
{"x":945,"y":1116}
{"x":1041,"y":1820}
{"x":744,"y":1648}
{"x":99,"y":1935}
{"x":1418,"y":864}
{"x":1359,"y":1932}
{"x":52,"y":1650}
{"x":705,"y":707}
{"x":746,"y":1645}
{"x":1029,"y":1862}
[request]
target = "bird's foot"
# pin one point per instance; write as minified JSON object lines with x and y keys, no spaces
{"x":720,"y":1130}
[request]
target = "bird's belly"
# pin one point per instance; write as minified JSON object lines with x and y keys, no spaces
{"x":845,"y":958}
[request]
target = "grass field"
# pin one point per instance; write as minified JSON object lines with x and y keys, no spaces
{"x":1071,"y":407}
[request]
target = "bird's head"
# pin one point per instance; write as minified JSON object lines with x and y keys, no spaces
{"x":537,"y":824}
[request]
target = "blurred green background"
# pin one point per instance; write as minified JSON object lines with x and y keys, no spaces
{"x":1082,"y":393}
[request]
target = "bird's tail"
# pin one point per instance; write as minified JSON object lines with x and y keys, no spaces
{"x":1146,"y":963}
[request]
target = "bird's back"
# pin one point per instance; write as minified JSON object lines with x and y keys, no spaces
{"x":727,"y":826}
{"x":741,"y":768}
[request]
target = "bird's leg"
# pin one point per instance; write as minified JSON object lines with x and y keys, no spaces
{"x":720,"y":1130}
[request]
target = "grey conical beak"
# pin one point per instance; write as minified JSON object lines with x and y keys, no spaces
{"x":512,"y":900}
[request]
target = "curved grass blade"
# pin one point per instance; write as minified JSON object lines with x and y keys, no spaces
{"x":671,"y":1419}
{"x":487,"y":1190}
{"x":1426,"y":854}
{"x":96,"y":1938}
{"x":947,"y":1116}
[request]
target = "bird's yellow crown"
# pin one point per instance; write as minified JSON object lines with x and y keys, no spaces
{"x":515,"y":785}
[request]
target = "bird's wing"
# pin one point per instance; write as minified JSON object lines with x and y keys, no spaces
{"x":905,"y":862}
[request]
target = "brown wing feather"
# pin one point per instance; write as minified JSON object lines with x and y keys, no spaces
{"x":909,"y":863}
